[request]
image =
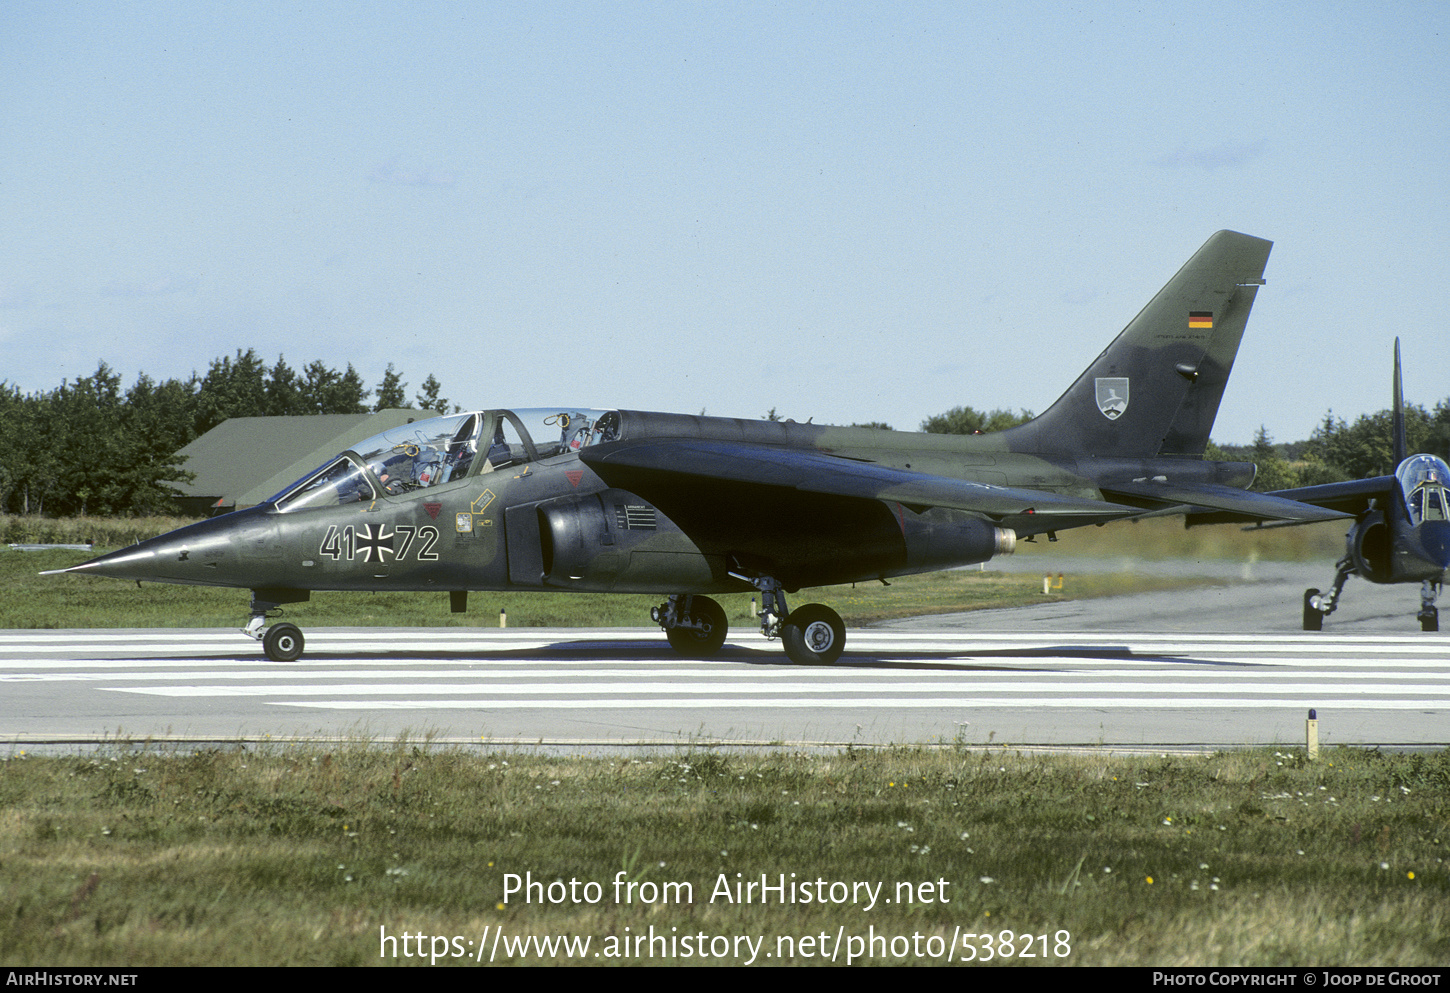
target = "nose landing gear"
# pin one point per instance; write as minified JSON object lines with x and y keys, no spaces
{"x":281,"y":642}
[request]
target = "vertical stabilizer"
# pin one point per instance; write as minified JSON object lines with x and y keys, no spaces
{"x":1156,"y":389}
{"x":1401,"y":445}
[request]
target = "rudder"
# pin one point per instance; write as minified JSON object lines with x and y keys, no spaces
{"x":1156,"y":389}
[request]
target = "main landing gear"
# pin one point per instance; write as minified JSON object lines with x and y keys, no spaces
{"x":1318,"y":606}
{"x":281,"y":642}
{"x":1429,"y":616}
{"x":696,"y":625}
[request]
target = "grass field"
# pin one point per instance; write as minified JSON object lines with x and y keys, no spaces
{"x":406,"y":854}
{"x":291,"y":856}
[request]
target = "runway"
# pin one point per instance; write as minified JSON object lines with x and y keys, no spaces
{"x":586,"y":688}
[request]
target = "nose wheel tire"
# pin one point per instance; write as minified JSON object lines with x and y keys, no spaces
{"x":813,"y":635}
{"x":283,"y":643}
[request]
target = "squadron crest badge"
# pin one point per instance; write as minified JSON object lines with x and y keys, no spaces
{"x":1112,"y":396}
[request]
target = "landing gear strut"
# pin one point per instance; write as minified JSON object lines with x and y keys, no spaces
{"x":281,"y":642}
{"x":812,"y":635}
{"x":1318,"y":606}
{"x":1429,"y":616}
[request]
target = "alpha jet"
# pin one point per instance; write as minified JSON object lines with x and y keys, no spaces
{"x":624,"y":501}
{"x":1401,"y":531}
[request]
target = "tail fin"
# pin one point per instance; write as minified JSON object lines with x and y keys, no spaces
{"x":1401,"y":445}
{"x":1156,"y":389}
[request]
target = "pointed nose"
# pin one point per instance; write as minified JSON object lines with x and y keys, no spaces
{"x":218,"y":552}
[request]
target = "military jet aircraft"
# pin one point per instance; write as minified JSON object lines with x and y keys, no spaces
{"x":570,"y":498}
{"x":1401,"y":532}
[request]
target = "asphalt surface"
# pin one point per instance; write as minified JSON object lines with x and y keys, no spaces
{"x":1213,"y":667}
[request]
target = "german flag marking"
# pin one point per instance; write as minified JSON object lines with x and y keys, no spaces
{"x":1200,"y":319}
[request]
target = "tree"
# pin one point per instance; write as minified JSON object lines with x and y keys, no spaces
{"x":284,"y":391}
{"x":429,"y":398}
{"x":965,"y":420}
{"x":1366,"y":447}
{"x":231,"y":388}
{"x":390,"y":390}
{"x":327,"y":391}
{"x":1274,"y":473}
{"x":1437,"y":435}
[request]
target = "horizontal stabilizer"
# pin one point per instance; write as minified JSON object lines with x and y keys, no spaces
{"x":1352,"y":496}
{"x":1243,"y":504}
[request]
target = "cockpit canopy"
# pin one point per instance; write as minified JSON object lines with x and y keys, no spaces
{"x":439,"y":450}
{"x":1424,"y":480}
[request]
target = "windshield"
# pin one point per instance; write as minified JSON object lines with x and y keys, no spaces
{"x":430,"y":452}
{"x":1423,"y":480}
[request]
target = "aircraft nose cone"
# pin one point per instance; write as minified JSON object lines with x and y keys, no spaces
{"x":174,"y":557}
{"x":217,"y":552}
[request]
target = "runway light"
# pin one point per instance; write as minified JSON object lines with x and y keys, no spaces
{"x":1311,"y":735}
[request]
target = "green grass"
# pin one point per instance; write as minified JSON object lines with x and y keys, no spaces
{"x":294,"y":856}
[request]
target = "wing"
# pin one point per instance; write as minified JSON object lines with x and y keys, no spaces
{"x":1222,"y":503}
{"x":650,"y":464}
{"x":1335,"y":500}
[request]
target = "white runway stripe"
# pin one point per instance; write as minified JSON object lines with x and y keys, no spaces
{"x":883,"y":671}
{"x":656,"y":688}
{"x":906,"y":703}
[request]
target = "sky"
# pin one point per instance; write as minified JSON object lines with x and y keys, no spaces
{"x":846,"y":212}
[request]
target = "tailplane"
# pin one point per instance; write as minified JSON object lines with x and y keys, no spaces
{"x":1156,"y":389}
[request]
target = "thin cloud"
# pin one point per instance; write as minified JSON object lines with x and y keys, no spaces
{"x":1225,"y":156}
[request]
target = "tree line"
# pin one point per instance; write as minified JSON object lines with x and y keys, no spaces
{"x":90,"y":447}
{"x":1338,"y":450}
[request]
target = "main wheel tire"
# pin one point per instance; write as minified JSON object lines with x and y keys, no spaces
{"x":1313,"y":616}
{"x":813,"y":635}
{"x":283,"y":643}
{"x":694,"y":644}
{"x":1430,"y":620}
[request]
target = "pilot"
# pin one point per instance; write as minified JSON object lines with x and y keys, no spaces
{"x":394,"y":474}
{"x":430,"y":467}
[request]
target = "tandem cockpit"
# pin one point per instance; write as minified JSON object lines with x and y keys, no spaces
{"x":1424,"y":480}
{"x":427,"y":453}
